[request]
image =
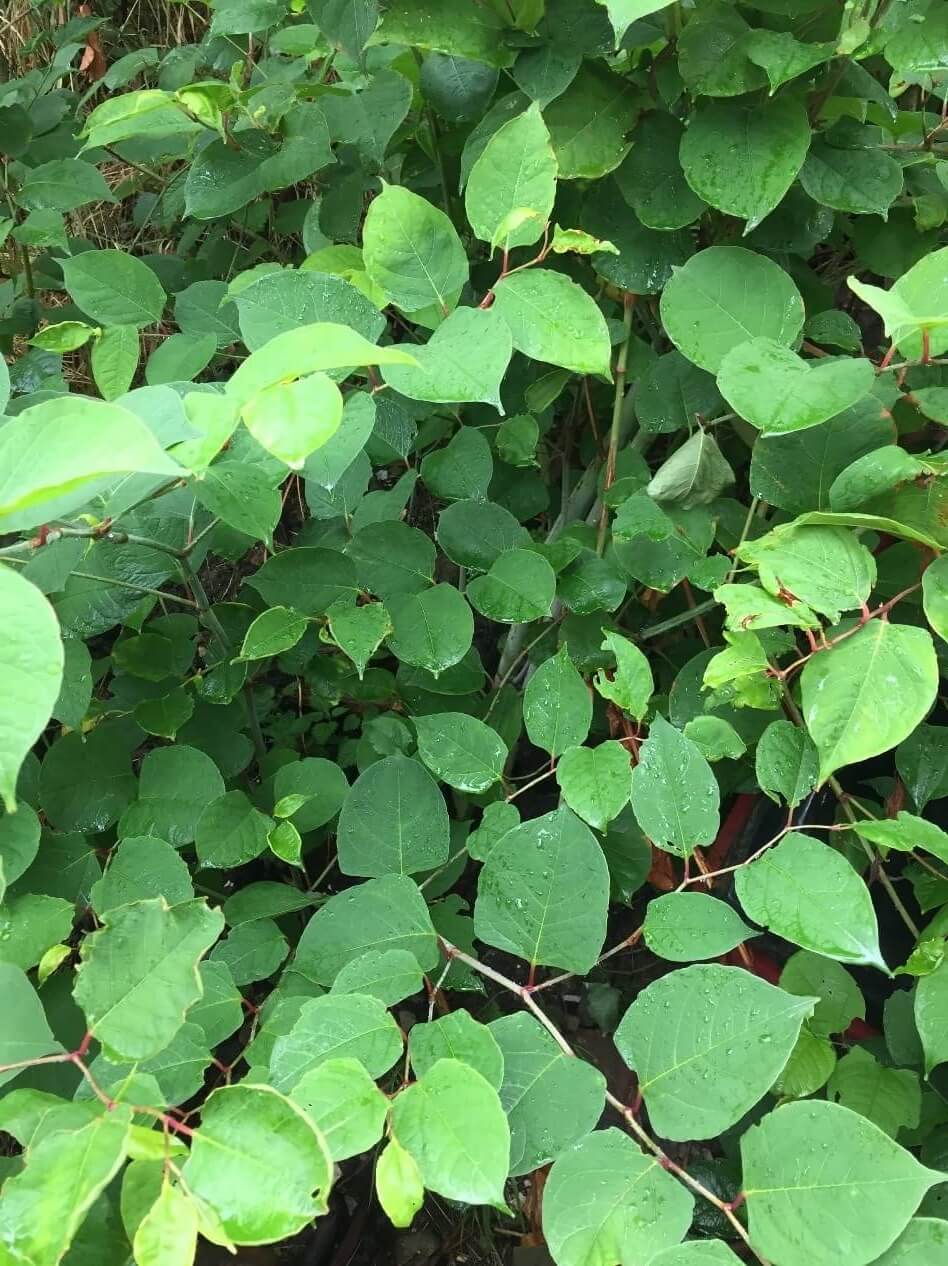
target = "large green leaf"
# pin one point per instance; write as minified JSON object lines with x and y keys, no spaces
{"x":557,"y":707}
{"x":723,"y":297}
{"x":450,"y":1121}
{"x":27,"y":1034}
{"x":742,"y":158}
{"x":808,"y":893}
{"x":823,"y":1184}
{"x":543,"y":893}
{"x":595,"y":781}
{"x":433,"y":629}
{"x":336,"y":1026}
{"x":461,"y":750}
{"x":464,"y":360}
{"x":83,"y":445}
{"x":459,"y":27}
{"x":867,"y":694}
{"x":686,"y":926}
{"x":31,"y":672}
{"x":628,"y":1208}
{"x":345,"y":1104}
{"x":707,"y":1043}
{"x":412,"y":251}
{"x":826,"y":568}
{"x":590,"y":121}
{"x":675,"y":795}
{"x":554,"y":320}
{"x":260,"y":1163}
{"x":456,"y":1036}
{"x":931,"y":1016}
{"x":139,"y":973}
{"x":114,"y":288}
{"x":393,"y":821}
{"x":516,"y":171}
{"x":519,"y":587}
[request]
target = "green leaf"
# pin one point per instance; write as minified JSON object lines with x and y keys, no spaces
{"x":589,"y":123}
{"x":552,"y":319}
{"x":243,"y":496}
{"x":695,"y":474}
{"x":675,"y":795}
{"x":826,"y":568}
{"x":798,"y":1164}
{"x":85,"y":444}
{"x":231,"y":831}
{"x":292,"y":420}
{"x":276,"y":630}
{"x":327,"y":465}
{"x":252,"y":951}
{"x":180,"y":358}
{"x":917,"y":303}
{"x":595,"y":781}
{"x":773,"y":389}
{"x":651,"y":178}
{"x":114,"y":288}
{"x":308,"y":580}
{"x":786,"y":762}
{"x":114,"y":360}
{"x":175,"y":785}
{"x":686,"y":926}
{"x":873,"y":474}
{"x":142,"y":867}
{"x":905,"y":832}
{"x":398,"y":1185}
{"x":861,"y":181}
{"x":935,"y":596}
{"x":534,"y":880}
{"x":393,"y":822}
{"x":167,"y":1235}
{"x":45,"y":1203}
{"x":31,"y":671}
{"x":464,"y":360}
{"x":697,"y":1253}
{"x":29,"y":924}
{"x":723,"y":297}
{"x":27,"y":1034}
{"x":280,"y":302}
{"x":931,"y":1016}
{"x":551,"y":1100}
{"x":557,"y":707}
{"x":459,"y":27}
{"x":516,"y":169}
{"x":412,"y":251}
{"x":519,"y":587}
{"x":707,"y":1043}
{"x":462,"y":469}
{"x":461,"y":750}
{"x":457,"y":1036}
{"x":148,"y":112}
{"x":867,"y":694}
{"x":717,"y":738}
{"x":742,"y":159}
{"x":840,"y":1001}
{"x":344,"y":1104}
{"x":389,"y":975}
{"x":359,"y":630}
{"x":806,"y":892}
{"x":392,"y":560}
{"x":475,"y":533}
{"x":336,"y":1026}
{"x":631,"y":685}
{"x":630,"y":1211}
{"x":922,"y":1243}
{"x":451,"y":1123}
{"x":260,"y":1164}
{"x":388,"y":913}
{"x":139,"y":973}
{"x":622,"y":13}
{"x":889,"y":1097}
{"x":433,"y":629}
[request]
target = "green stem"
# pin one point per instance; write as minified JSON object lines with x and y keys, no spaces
{"x":628,"y":303}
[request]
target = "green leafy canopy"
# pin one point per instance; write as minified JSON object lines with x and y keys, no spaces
{"x":473,"y":739}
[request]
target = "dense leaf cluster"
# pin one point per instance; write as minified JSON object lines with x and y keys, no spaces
{"x":473,"y":614}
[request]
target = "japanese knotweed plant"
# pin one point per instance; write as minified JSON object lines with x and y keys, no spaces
{"x":473,"y":614}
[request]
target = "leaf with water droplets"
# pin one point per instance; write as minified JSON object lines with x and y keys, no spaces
{"x":675,"y":795}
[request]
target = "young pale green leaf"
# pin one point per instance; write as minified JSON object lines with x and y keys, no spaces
{"x":742,"y":158}
{"x":27,"y":1034}
{"x":275,"y":631}
{"x":167,"y":1235}
{"x":786,"y":762}
{"x":868,"y":693}
{"x":826,"y":568}
{"x":552,"y":319}
{"x":393,"y":821}
{"x":292,"y":420}
{"x":31,"y":670}
{"x":336,"y":1026}
{"x":684,"y":927}
{"x":114,"y":288}
{"x":808,"y":893}
{"x":675,"y":796}
{"x":595,"y":781}
{"x":551,"y":1100}
{"x":905,"y":832}
{"x":451,"y":1123}
{"x":622,"y":13}
{"x":433,"y":629}
{"x":723,"y":297}
{"x":695,"y":474}
{"x":631,"y":1209}
{"x":44,"y":1204}
{"x":411,"y":250}
{"x":707,"y":1043}
{"x":516,"y":169}
{"x":557,"y":706}
{"x":536,"y":877}
{"x":519,"y":587}
{"x":464,"y":360}
{"x":631,"y":686}
{"x":461,"y":750}
{"x":916,"y":305}
{"x":398,"y":1184}
{"x":776,"y":391}
{"x":259,"y":1163}
{"x":457,"y":1036}
{"x":931,"y":1016}
{"x":800,"y":1160}
{"x":388,"y":913}
{"x":84,"y":444}
{"x":139,"y":973}
{"x":345,"y":1105}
